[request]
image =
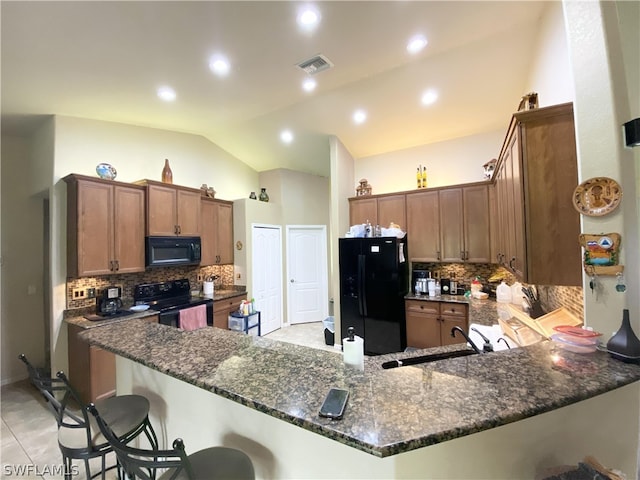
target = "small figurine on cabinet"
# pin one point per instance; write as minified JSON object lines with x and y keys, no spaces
{"x":528,"y":102}
{"x":208,"y":191}
{"x":489,"y":167}
{"x":364,"y":188}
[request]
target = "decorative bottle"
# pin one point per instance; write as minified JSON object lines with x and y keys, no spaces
{"x":167,"y":174}
{"x":424,"y":177}
{"x":264,"y":197}
{"x":419,"y":178}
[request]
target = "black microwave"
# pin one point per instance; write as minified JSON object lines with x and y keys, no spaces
{"x":173,"y":251}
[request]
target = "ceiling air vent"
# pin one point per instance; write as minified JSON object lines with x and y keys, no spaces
{"x":315,"y":65}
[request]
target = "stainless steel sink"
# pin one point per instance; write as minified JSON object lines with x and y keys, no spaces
{"x":434,"y":357}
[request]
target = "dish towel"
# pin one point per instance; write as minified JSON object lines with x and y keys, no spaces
{"x":193,"y":318}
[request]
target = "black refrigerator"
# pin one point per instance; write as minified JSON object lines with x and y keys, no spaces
{"x":374,"y":278}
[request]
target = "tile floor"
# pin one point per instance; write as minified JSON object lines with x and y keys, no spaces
{"x":28,"y":430}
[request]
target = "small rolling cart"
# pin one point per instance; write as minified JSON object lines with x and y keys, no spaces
{"x":249,"y":324}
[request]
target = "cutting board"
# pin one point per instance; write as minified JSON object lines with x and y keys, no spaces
{"x":544,"y":324}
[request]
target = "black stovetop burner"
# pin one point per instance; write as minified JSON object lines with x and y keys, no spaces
{"x":165,"y":296}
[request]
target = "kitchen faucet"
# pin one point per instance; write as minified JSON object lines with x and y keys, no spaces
{"x":473,"y":345}
{"x":486,"y":347}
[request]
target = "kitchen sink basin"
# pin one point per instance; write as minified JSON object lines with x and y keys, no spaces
{"x":434,"y":357}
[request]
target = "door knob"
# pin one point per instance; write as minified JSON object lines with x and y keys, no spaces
{"x":292,"y":280}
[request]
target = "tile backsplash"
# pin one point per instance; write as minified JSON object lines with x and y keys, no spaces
{"x":151,"y":275}
{"x":551,"y":296}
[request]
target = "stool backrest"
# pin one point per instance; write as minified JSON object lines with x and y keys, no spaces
{"x":142,"y":463}
{"x":62,"y":399}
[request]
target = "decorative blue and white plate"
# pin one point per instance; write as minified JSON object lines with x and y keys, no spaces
{"x":106,"y":171}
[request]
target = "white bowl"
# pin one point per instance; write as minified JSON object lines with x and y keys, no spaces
{"x":139,"y":308}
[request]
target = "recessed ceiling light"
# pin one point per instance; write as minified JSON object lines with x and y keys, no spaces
{"x":416,"y":43}
{"x":219,"y":65}
{"x":167,"y":94}
{"x":286,"y":136}
{"x":429,"y":97}
{"x":308,"y":17}
{"x":359,"y":116}
{"x":309,"y":85}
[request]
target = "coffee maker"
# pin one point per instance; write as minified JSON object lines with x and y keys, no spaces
{"x":419,"y":281}
{"x":109,"y":301}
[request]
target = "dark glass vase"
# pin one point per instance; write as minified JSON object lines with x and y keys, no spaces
{"x":264,"y":197}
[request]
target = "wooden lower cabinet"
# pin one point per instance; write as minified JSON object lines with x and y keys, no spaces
{"x":222,"y":309}
{"x":92,"y":370}
{"x":429,"y":323}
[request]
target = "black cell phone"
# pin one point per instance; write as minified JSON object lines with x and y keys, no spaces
{"x":334,"y":403}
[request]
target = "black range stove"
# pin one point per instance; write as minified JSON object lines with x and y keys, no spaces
{"x":168,"y":298}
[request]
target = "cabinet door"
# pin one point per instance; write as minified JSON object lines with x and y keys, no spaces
{"x":423,"y":325}
{"x":494,"y":223}
{"x":453,"y":315}
{"x":102,"y":366}
{"x":225,"y":233}
{"x":162,"y":210}
{"x":516,"y":251}
{"x":129,"y":228}
{"x":447,"y":323}
{"x":363,"y":209}
{"x":94,"y":228}
{"x":477,"y":243}
{"x":503,"y":208}
{"x":451,"y":225}
{"x":208,"y":232}
{"x":222,"y":309}
{"x":423,"y":226}
{"x":392,"y":209}
{"x":549,"y":177}
{"x":188,"y":213}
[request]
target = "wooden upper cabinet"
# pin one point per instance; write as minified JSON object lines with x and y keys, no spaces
{"x":539,"y":171}
{"x":451,"y":225}
{"x":464,"y":224}
{"x":423,"y":226}
{"x":172,"y":210}
{"x":362,"y":210}
{"x":217,"y":232}
{"x":392,"y":209}
{"x":477,"y":224}
{"x":105,"y":227}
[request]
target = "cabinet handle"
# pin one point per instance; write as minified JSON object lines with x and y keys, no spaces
{"x":438,"y":254}
{"x":511,"y":263}
{"x":466,"y":254}
{"x":111,"y":265}
{"x":462,"y":254}
{"x":117,"y":264}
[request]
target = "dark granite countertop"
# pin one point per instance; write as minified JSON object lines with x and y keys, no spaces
{"x":389,"y":411}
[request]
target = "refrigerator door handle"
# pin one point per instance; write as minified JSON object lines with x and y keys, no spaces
{"x":362,"y":300}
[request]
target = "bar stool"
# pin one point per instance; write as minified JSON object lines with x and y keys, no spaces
{"x":209,"y":464}
{"x":79,"y":437}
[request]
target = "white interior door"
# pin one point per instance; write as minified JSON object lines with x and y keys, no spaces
{"x":307,"y":289}
{"x":266,"y":262}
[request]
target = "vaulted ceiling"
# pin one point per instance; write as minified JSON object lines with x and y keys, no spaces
{"x":105,"y":61}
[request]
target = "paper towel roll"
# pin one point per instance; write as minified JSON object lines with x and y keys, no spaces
{"x":207,"y":288}
{"x":353,"y":352}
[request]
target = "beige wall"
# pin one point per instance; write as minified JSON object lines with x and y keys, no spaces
{"x":602,"y":106}
{"x":448,"y":163}
{"x":342,"y":178}
{"x":23,"y":329}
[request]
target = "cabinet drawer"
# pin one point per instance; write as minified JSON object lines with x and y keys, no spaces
{"x":453,"y":309}
{"x":418,"y":306}
{"x":228,"y":304}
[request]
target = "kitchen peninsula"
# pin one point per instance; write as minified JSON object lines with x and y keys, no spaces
{"x":500,"y":415}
